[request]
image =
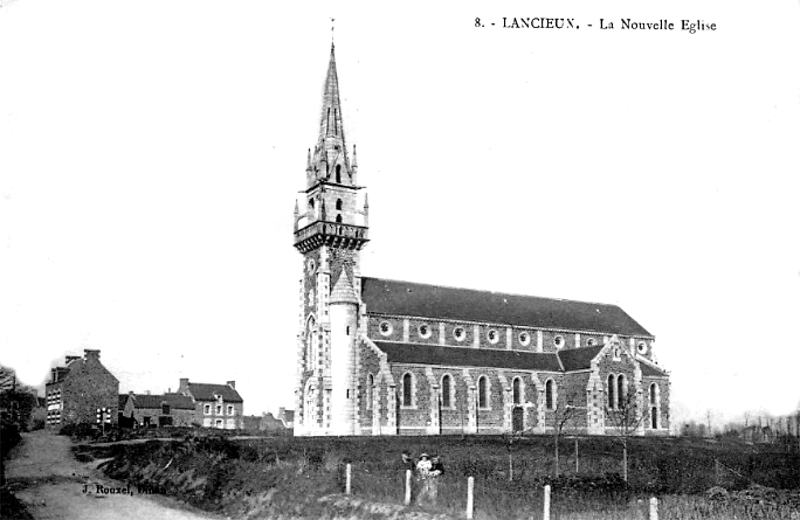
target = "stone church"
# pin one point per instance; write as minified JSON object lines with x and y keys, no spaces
{"x":387,"y":357}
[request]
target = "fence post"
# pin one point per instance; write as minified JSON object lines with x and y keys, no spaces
{"x":546,"y":503}
{"x":347,"y":488}
{"x":653,"y":508}
{"x":407,"y":500}
{"x":576,"y":456}
{"x":470,"y":502}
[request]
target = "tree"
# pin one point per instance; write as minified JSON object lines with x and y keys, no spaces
{"x":563,"y":414}
{"x":626,"y":419}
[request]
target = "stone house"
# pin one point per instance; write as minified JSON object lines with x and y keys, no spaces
{"x":158,"y":410}
{"x":215,"y":405}
{"x":81,"y":391}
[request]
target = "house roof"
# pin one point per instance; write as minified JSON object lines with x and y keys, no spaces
{"x":208,"y":392}
{"x":438,"y":302}
{"x":578,"y":358}
{"x":175,"y":401}
{"x":471,"y":357}
{"x":287,"y":415}
{"x":269,"y":422}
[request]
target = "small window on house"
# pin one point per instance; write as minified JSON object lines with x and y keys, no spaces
{"x":424,"y":331}
{"x":447,"y":397}
{"x":483,"y":390}
{"x":408,"y":389}
{"x":230,"y":409}
{"x":164,"y":409}
{"x":459,"y":333}
{"x":524,"y":339}
{"x":338,"y":219}
{"x":207,"y":409}
{"x":218,"y":410}
{"x":493,"y":336}
{"x":549,"y":394}
{"x":339,"y":204}
{"x":591,"y":342}
{"x":516,"y":390}
{"x":386,"y":328}
{"x":558,"y":341}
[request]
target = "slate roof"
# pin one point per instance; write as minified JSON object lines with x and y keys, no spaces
{"x":578,"y":358}
{"x":470,"y":357}
{"x":175,"y":401}
{"x":437,"y":302}
{"x":650,"y":370}
{"x":206,"y":392}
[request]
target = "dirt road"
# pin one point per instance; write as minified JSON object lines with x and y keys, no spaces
{"x":44,"y":475}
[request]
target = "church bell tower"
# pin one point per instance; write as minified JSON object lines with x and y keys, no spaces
{"x":330,"y":228}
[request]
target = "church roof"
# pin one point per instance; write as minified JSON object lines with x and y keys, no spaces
{"x":438,"y":302}
{"x":650,"y":370}
{"x":468,"y":357}
{"x":579,"y":358}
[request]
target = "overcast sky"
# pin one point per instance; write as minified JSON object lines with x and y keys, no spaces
{"x":150,"y":153}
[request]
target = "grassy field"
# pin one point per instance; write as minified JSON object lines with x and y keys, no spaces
{"x":274,"y":477}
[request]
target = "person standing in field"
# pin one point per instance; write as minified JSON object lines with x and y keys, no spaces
{"x":436,"y":472}
{"x":424,"y":479}
{"x":407,"y":463}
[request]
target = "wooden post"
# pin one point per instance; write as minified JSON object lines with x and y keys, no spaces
{"x":347,"y":488}
{"x":546,"y":503}
{"x":407,"y":500}
{"x":653,"y":509}
{"x":576,"y":456}
{"x":470,"y":501}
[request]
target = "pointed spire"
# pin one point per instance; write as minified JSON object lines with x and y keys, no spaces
{"x":343,"y":291}
{"x":331,"y":117}
{"x":355,"y":158}
{"x":308,"y":160}
{"x":296,"y":214}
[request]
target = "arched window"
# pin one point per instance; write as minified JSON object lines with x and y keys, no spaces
{"x":339,"y":204}
{"x":338,"y":174}
{"x":516,"y":390}
{"x":447,"y":391}
{"x":408,"y":389}
{"x":654,"y":418}
{"x":621,"y":391}
{"x":653,"y":394}
{"x":311,"y":203}
{"x":338,"y":219}
{"x":370,"y":387}
{"x":311,"y":344}
{"x":610,"y":391}
{"x":483,"y":392}
{"x":549,"y":394}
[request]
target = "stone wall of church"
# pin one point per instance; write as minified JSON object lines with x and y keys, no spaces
{"x":370,"y":366}
{"x":662,"y":404}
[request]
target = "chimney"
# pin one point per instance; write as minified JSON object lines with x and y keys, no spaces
{"x":91,"y":355}
{"x":147,"y":392}
{"x":54,"y":373}
{"x":281,"y":412}
{"x":183,"y":387}
{"x":69,"y":359}
{"x":231,"y":384}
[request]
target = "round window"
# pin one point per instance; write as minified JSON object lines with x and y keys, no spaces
{"x":591,"y":342}
{"x":558,"y":341}
{"x":524,"y":338}
{"x":385,"y":328}
{"x":493,"y":336}
{"x":424,"y":331}
{"x":641,"y":347}
{"x":459,"y":333}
